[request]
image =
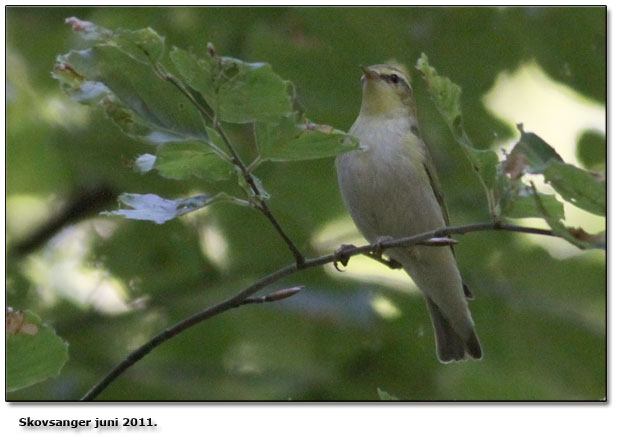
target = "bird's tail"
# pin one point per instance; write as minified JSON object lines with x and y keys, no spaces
{"x":450,"y":345}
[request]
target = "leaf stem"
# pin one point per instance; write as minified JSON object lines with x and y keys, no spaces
{"x":260,"y":204}
{"x":254,"y":164}
{"x":241,"y":297}
{"x":234,"y":158}
{"x":205,"y":115}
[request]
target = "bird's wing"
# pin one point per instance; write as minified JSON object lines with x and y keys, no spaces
{"x":431,"y":173}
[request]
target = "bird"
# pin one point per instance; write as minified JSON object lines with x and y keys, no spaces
{"x":390,"y":188}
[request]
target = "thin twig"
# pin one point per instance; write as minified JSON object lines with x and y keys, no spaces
{"x":183,"y":325}
{"x":234,"y":158}
{"x":80,"y":204}
{"x":274,"y":296}
{"x":261,"y":204}
{"x":243,"y":295}
{"x":439,"y":242}
{"x":205,"y":115}
{"x":256,"y":162}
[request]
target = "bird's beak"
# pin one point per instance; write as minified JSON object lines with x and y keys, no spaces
{"x":368,"y":73}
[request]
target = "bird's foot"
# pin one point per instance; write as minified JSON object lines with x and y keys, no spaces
{"x":341,"y":256}
{"x":378,"y":245}
{"x":377,"y":253}
{"x":389,"y":262}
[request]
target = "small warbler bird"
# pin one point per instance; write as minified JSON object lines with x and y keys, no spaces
{"x":390,"y":188}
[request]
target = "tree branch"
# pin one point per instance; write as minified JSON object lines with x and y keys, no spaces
{"x":261,"y":204}
{"x":241,"y":297}
{"x":81,"y":204}
{"x":234,"y":157}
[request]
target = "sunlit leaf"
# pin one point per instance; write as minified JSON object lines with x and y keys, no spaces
{"x":145,"y":162}
{"x":150,"y":207}
{"x":239,"y":92}
{"x":33,"y":351}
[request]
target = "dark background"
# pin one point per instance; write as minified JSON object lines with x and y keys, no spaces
{"x":541,"y":319}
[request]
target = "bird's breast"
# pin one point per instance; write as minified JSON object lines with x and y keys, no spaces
{"x":384,"y":184}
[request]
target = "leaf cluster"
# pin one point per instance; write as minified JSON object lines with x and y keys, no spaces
{"x":127,"y":74}
{"x":508,"y":196}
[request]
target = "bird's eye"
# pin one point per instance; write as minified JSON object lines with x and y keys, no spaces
{"x":394,"y":78}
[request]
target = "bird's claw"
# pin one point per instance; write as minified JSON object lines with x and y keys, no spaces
{"x":341,"y":256}
{"x":377,"y":249}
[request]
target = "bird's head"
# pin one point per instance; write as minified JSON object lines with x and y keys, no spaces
{"x":386,"y":92}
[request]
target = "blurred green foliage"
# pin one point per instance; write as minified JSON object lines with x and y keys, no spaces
{"x":591,"y":150}
{"x":541,"y":319}
{"x":33,"y":351}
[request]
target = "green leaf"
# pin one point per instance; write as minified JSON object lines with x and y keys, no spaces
{"x":263,"y":194}
{"x":591,"y":149}
{"x":533,"y":155}
{"x":577,"y":186}
{"x":537,"y":153}
{"x":288,"y":141}
{"x":131,"y":94}
{"x":150,"y":207}
{"x":33,"y":351}
{"x":215,"y":139}
{"x":384,"y":396}
{"x":89,"y":30}
{"x":181,"y":160}
{"x":143,"y":45}
{"x":446,"y":95}
{"x":199,"y":73}
{"x":525,"y":206}
{"x":516,"y":200}
{"x":237,"y":91}
{"x":484,"y":162}
{"x":577,"y":237}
